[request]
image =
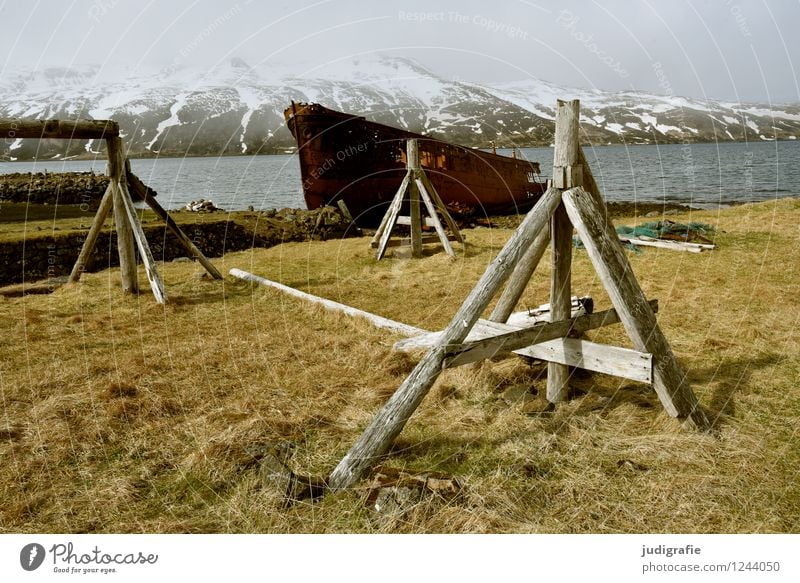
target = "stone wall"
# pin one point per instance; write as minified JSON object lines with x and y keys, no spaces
{"x":53,"y":256}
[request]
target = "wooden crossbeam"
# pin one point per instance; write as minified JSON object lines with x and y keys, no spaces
{"x":81,"y":129}
{"x":405,"y":241}
{"x":482,"y":330}
{"x":404,"y":220}
{"x":467,"y":352}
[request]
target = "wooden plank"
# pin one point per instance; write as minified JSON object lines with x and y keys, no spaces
{"x":125,"y":243}
{"x":403,"y":220}
{"x":560,"y":296}
{"x":612,"y":360}
{"x":482,"y":329}
{"x":91,"y":237}
{"x":671,"y":245}
{"x":191,"y":249}
{"x":587,"y":214}
{"x":519,"y":279}
{"x":156,"y":284}
{"x":405,"y":241}
{"x":81,"y":129}
{"x":375,"y":320}
{"x":461,"y":354}
{"x":381,"y":432}
{"x":434,"y":217}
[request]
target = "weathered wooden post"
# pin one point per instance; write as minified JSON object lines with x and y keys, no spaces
{"x":567,"y":172}
{"x":412,"y":153}
{"x":390,"y":420}
{"x":127,"y":254}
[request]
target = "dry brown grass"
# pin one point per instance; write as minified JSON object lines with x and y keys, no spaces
{"x":120,"y":415}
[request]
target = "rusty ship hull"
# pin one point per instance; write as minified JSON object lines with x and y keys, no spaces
{"x":345,"y":157}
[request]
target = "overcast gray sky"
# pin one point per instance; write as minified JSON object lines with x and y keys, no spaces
{"x":737,"y":50}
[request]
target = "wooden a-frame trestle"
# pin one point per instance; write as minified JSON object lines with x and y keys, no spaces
{"x":117,"y":197}
{"x":573,"y":200}
{"x":416,"y":187}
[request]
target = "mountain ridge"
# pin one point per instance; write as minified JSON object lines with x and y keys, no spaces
{"x":234,"y":108}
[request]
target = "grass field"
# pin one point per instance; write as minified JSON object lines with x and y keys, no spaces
{"x":121,"y":415}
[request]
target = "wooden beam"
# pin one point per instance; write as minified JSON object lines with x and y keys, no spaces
{"x":125,"y":243}
{"x":434,"y":217}
{"x":191,"y":249}
{"x":587,"y":213}
{"x":81,"y":129}
{"x":406,"y":241}
{"x":403,"y":220}
{"x":612,"y":360}
{"x":390,"y":420}
{"x":375,"y":320}
{"x":467,"y":352}
{"x":519,"y":279}
{"x":437,"y":201}
{"x":156,"y":284}
{"x":667,"y":244}
{"x":481,"y":330}
{"x":91,"y":237}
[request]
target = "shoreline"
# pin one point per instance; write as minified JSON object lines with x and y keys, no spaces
{"x":178,"y":155}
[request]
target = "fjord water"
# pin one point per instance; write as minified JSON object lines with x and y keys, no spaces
{"x":701,"y":175}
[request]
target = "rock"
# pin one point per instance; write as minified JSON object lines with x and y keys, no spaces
{"x":653,"y":214}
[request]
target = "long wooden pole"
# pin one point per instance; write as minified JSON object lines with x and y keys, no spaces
{"x":125,"y":243}
{"x":612,"y":266}
{"x":390,"y":420}
{"x":378,"y":321}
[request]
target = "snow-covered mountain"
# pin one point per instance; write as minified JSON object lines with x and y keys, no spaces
{"x":237,"y":109}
